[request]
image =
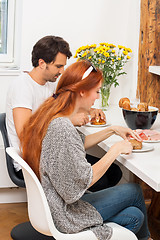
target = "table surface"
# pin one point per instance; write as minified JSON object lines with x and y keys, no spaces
{"x":145,"y":165}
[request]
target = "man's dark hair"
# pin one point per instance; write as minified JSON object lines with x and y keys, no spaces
{"x":47,"y":49}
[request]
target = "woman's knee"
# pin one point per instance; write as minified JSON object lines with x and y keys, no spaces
{"x":136,"y":218}
{"x":131,"y":217}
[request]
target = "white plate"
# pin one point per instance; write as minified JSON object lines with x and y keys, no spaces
{"x":102,"y":125}
{"x":145,"y":148}
{"x":151,"y":141}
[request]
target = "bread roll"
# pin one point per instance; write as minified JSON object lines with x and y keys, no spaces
{"x":136,"y":144}
{"x":134,"y":109}
{"x":142,"y":107}
{"x":126,"y":105}
{"x":99,"y":121}
{"x":121,"y":101}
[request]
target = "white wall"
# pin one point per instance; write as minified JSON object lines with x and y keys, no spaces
{"x":80,"y":23}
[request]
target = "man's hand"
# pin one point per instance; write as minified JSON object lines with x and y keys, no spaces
{"x":96,"y":113}
{"x":79,"y":119}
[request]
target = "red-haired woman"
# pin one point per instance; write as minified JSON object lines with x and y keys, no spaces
{"x":55,"y":150}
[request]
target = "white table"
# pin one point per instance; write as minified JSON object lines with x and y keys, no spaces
{"x":145,"y":165}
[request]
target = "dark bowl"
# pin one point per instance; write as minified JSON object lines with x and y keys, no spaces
{"x":140,"y":120}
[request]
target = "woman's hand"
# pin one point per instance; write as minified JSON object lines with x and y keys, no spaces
{"x":100,"y":167}
{"x":96,"y":113}
{"x":123,"y":147}
{"x":126,"y":133}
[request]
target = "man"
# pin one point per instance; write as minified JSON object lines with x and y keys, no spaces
{"x":49,"y":56}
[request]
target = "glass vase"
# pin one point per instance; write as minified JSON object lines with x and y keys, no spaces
{"x":105,"y":93}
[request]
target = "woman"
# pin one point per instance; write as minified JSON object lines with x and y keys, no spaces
{"x":56,"y":152}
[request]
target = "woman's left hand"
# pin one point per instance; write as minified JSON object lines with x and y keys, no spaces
{"x":126,"y":133}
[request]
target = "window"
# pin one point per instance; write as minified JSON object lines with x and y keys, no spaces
{"x":7,"y":23}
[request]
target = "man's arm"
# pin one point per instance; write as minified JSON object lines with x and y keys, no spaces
{"x":20,"y":116}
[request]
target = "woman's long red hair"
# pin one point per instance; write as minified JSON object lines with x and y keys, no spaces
{"x":69,"y":85}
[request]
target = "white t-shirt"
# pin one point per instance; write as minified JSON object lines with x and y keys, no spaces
{"x":24,"y":92}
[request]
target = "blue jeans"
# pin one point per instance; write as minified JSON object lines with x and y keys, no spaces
{"x":123,"y":204}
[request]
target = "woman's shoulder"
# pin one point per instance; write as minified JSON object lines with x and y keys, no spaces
{"x":61,"y":125}
{"x":61,"y":122}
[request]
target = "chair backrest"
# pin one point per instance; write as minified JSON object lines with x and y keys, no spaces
{"x":38,"y":208}
{"x":10,"y":167}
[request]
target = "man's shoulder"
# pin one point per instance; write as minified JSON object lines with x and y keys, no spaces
{"x":20,"y":80}
{"x":23,"y":82}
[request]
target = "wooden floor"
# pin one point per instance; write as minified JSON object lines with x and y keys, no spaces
{"x":15,"y":213}
{"x":11,"y":215}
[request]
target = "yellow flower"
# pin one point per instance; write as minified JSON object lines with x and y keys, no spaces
{"x":82,"y":48}
{"x":128,"y":57}
{"x":103,"y":61}
{"x":75,"y":55}
{"x":84,"y":54}
{"x":93,"y":45}
{"x":119,"y":59}
{"x":106,"y":54}
{"x":101,"y":51}
{"x":99,"y":60}
{"x":102,"y":44}
{"x":128,"y":49}
{"x":90,"y":57}
{"x":111,"y":45}
{"x":125,"y":52}
{"x":112,"y":60}
{"x":120,"y":46}
{"x":113,"y":51}
{"x":78,"y":50}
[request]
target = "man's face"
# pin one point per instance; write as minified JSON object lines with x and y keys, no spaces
{"x":53,"y":70}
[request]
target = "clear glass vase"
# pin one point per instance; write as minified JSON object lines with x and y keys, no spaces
{"x":105,"y":93}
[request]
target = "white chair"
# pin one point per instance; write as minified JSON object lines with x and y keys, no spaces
{"x":39,"y":211}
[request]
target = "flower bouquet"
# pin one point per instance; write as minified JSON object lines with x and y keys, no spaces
{"x":110,"y":59}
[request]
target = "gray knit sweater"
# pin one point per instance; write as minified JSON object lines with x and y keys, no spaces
{"x":65,"y":176}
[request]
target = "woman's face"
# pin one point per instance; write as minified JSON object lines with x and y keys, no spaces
{"x":90,"y":96}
